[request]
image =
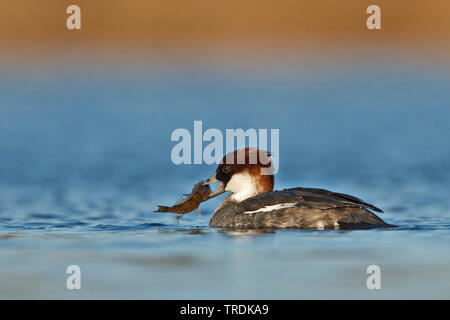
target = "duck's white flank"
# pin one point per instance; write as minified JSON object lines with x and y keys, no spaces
{"x":274,"y":207}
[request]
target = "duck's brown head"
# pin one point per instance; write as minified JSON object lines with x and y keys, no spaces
{"x":245,"y":173}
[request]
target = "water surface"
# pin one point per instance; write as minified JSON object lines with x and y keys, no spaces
{"x":85,"y":159}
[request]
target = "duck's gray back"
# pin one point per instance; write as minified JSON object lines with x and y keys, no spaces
{"x":305,"y":208}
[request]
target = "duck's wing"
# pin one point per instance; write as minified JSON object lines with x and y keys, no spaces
{"x":337,"y":196}
{"x":304,"y":197}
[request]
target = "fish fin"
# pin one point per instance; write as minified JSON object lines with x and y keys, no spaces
{"x":198,"y":211}
{"x":179,"y":201}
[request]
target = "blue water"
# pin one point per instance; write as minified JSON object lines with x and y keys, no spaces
{"x":85,"y":159}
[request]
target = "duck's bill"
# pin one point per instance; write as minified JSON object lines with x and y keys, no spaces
{"x":219,"y":190}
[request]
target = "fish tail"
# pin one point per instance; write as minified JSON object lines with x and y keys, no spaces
{"x":162,"y":209}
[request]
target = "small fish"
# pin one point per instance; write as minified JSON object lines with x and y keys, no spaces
{"x":199,"y":194}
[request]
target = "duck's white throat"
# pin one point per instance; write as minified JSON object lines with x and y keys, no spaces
{"x":242,"y":185}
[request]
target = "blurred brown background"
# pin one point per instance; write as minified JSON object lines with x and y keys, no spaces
{"x":180,"y":27}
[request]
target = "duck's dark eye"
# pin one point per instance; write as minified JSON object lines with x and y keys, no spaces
{"x":226,"y":169}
